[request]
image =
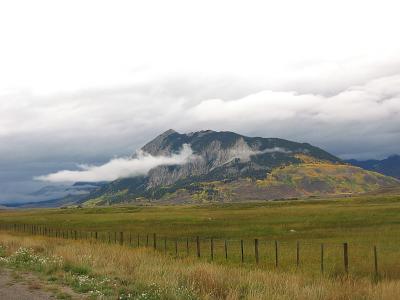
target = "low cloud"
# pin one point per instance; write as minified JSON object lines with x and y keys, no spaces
{"x":116,"y":168}
{"x":273,"y":150}
{"x":244,"y":152}
{"x":140,"y":164}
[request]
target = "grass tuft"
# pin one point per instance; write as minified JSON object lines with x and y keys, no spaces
{"x":111,"y":271}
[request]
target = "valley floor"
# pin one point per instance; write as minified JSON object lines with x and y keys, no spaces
{"x":102,"y":271}
{"x":94,"y":265}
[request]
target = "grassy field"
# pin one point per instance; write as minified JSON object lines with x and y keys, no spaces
{"x":360,"y":221}
{"x":103,"y":271}
{"x":351,"y":219}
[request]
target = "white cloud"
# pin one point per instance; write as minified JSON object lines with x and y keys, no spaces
{"x":120,"y":167}
{"x":361,"y":120}
{"x":243,"y":151}
{"x":85,"y":80}
{"x":76,"y":45}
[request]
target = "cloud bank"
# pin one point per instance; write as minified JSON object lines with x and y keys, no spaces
{"x":72,"y":99}
{"x":120,"y":167}
{"x":360,"y":121}
{"x":139,"y":165}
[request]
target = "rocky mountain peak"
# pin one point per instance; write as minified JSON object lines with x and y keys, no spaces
{"x":224,"y":155}
{"x":226,"y":165}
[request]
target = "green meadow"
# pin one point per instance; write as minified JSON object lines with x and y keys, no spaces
{"x":373,"y":218}
{"x":362,"y":222}
{"x":367,"y":219}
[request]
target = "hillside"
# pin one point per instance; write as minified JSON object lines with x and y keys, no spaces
{"x":389,"y":166}
{"x":313,"y":179}
{"x":300,"y":180}
{"x":230,"y":167}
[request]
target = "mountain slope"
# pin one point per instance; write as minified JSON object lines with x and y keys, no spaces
{"x":389,"y":166}
{"x":293,"y":181}
{"x":225,"y":155}
{"x":226,"y":166}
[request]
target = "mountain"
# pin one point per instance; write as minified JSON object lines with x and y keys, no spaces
{"x":59,"y":195}
{"x":389,"y":166}
{"x":226,"y":166}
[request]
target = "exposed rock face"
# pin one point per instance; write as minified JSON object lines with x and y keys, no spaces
{"x":159,"y":145}
{"x":226,"y":166}
{"x":228,"y":154}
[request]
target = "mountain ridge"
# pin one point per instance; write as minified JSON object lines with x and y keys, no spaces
{"x":223,"y":167}
{"x":389,"y":166}
{"x":227,"y":159}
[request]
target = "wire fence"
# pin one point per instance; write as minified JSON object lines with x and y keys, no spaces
{"x":330,"y":258}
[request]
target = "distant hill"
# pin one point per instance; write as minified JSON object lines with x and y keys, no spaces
{"x":233,"y":167}
{"x":59,"y":195}
{"x":389,"y":166}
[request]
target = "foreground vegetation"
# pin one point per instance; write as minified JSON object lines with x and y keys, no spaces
{"x":110,"y":271}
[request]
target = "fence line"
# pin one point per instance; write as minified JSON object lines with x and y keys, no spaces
{"x":122,"y":238}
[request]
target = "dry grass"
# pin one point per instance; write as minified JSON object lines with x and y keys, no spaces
{"x":144,"y":268}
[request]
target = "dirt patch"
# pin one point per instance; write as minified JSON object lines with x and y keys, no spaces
{"x":27,"y":286}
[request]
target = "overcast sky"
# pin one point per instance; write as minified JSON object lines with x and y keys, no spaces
{"x":88,"y":81}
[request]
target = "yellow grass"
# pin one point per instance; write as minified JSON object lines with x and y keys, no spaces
{"x":207,"y":281}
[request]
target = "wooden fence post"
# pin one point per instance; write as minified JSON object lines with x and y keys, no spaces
{"x":226,"y":250}
{"x":212,"y":248}
{"x":256,"y":250}
{"x":154,"y":241}
{"x":276,"y":254}
{"x":138,"y":240}
{"x":346,"y":257}
{"x":241,"y":251}
{"x":96,"y":235}
{"x":187,"y":246}
{"x":322,"y":258}
{"x":176,"y":247}
{"x":147,"y":240}
{"x":198,"y":246}
{"x":376,"y":261}
{"x":297,"y":254}
{"x":121,"y":238}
